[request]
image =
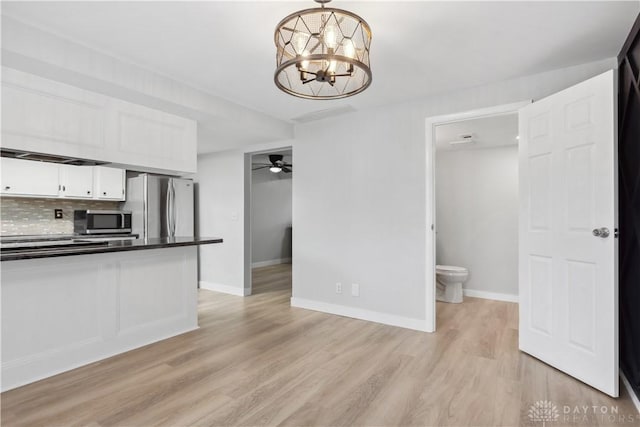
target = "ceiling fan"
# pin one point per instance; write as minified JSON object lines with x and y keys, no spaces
{"x":277,"y":164}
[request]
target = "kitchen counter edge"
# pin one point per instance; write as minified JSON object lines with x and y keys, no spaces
{"x":112,"y":246}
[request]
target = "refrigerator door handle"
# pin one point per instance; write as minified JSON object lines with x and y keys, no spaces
{"x":145,"y":207}
{"x":168,"y":209}
{"x":175,"y":211}
{"x":173,"y":208}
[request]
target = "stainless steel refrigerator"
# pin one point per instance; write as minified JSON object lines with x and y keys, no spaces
{"x":161,"y":206}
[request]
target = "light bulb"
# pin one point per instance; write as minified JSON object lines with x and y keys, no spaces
{"x":304,"y":64}
{"x":330,"y":36}
{"x":275,"y":169}
{"x":332,"y":66}
{"x":300,"y":40}
{"x":349,"y":48}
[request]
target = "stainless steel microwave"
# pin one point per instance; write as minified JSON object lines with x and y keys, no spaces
{"x":101,"y":222}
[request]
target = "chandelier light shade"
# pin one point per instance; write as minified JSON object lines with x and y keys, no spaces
{"x":322,"y":53}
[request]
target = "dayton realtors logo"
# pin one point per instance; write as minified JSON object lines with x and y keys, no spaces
{"x":543,"y":411}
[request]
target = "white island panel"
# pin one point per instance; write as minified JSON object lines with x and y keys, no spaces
{"x":64,"y":312}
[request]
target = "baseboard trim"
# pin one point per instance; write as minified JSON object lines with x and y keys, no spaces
{"x":634,"y":398}
{"x":490,"y":295}
{"x":225,"y":289}
{"x":271,"y":262}
{"x":359,"y":313}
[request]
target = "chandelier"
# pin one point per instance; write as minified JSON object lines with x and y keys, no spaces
{"x":322,"y":53}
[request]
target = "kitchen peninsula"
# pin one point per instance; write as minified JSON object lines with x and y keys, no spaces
{"x":67,"y":306}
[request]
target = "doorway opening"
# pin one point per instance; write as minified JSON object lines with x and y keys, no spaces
{"x":271,"y":222}
{"x":472,"y":208}
{"x":476,"y":220}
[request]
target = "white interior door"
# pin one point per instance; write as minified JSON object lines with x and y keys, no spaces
{"x":568,"y":261}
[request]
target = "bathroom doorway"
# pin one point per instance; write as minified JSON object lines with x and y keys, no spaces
{"x":476,"y":224}
{"x":473,"y":241}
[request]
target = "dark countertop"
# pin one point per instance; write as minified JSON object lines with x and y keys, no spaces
{"x":13,"y":254}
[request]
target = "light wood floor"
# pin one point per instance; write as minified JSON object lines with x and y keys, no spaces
{"x":256,"y":361}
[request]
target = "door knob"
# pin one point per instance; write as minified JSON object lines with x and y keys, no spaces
{"x":601,"y":232}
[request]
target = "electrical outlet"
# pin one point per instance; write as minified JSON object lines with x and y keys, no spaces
{"x":57,"y":213}
{"x":355,"y":289}
{"x":338,"y":288}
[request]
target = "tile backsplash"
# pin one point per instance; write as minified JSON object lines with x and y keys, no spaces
{"x":20,"y":216}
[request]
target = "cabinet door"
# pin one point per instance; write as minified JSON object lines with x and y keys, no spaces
{"x":29,"y":178}
{"x":109,"y":183}
{"x":153,"y":139}
{"x":76,"y":181}
{"x":45,"y":116}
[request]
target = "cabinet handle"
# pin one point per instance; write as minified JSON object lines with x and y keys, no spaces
{"x":104,"y":193}
{"x":88,"y":192}
{"x":64,"y":188}
{"x":7,"y":187}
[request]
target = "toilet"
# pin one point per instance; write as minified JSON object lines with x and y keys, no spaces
{"x":449,"y":280}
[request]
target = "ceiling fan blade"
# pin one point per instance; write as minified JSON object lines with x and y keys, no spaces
{"x":261,"y":167}
{"x":286,"y":169}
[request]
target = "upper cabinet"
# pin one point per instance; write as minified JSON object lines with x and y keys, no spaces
{"x":109,"y":183}
{"x":152,"y":138}
{"x":45,"y":116}
{"x":28,"y":178}
{"x":75,"y":181}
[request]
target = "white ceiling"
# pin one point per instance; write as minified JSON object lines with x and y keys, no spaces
{"x":488,"y":132}
{"x":419,"y":48}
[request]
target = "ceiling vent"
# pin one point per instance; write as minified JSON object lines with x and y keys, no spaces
{"x":466,"y":138}
{"x":323,"y":114}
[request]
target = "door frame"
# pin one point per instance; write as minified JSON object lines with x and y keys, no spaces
{"x":248,"y":213}
{"x":430,"y":187}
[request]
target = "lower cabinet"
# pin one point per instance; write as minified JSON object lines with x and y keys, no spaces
{"x":61,"y":313}
{"x":28,"y":178}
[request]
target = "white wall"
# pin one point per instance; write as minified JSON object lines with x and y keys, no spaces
{"x":363,"y":220}
{"x":220,"y":213}
{"x":477,"y":216}
{"x":271,"y":217}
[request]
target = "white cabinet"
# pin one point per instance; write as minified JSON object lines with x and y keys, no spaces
{"x":75,"y":181}
{"x":109,"y":183}
{"x":153,"y":139}
{"x":29,"y":178}
{"x":45,"y":116}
